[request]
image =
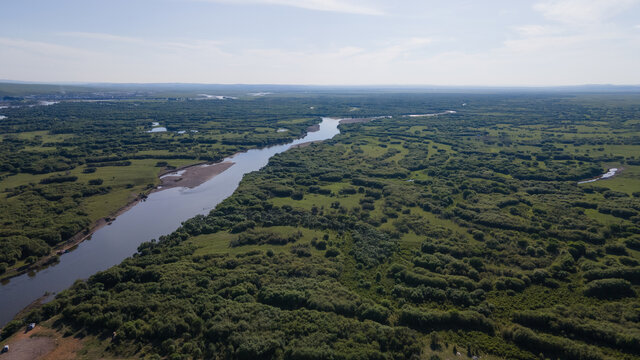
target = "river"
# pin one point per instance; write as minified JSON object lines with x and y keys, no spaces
{"x":160,"y":214}
{"x":609,"y":174}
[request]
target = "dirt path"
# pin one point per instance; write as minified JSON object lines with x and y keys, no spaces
{"x":41,"y":343}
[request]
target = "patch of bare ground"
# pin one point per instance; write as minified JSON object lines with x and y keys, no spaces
{"x":305,"y":144}
{"x":193,"y":176}
{"x":41,"y":343}
{"x":355,"y":120}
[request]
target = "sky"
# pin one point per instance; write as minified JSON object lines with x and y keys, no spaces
{"x":322,"y":42}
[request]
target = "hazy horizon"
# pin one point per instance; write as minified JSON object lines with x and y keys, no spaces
{"x":537,"y":43}
{"x":634,"y":87}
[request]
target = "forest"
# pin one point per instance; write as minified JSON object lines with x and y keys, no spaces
{"x":406,"y":237}
{"x":65,"y":166}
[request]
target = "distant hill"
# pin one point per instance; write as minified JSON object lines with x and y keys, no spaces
{"x":20,"y":89}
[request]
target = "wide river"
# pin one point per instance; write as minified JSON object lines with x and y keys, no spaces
{"x":160,"y":214}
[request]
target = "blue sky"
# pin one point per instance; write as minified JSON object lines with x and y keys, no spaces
{"x":333,"y":42}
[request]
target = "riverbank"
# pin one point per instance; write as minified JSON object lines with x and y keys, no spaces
{"x":193,"y":176}
{"x":70,"y":244}
{"x":305,"y":144}
{"x":363,"y":120}
{"x":355,"y":120}
{"x":341,"y":122}
{"x":160,"y":213}
{"x":313,"y":128}
{"x":611,"y":173}
{"x":188,"y":176}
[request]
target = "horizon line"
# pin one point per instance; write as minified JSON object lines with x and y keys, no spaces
{"x":526,"y":86}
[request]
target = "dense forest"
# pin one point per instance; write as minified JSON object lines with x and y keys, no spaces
{"x":408,"y":237}
{"x":66,"y":165}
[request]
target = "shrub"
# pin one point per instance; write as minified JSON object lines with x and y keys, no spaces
{"x":95,"y":182}
{"x":301,"y":250}
{"x":242,"y":226}
{"x":551,"y":345}
{"x":629,"y":274}
{"x":11,"y":328}
{"x":442,"y":320}
{"x":332,"y":252}
{"x":281,"y":191}
{"x":623,"y":213}
{"x":615,"y":249}
{"x":58,"y":179}
{"x":508,"y":283}
{"x":633,"y":243}
{"x":609,"y":289}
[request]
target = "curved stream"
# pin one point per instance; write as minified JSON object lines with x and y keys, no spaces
{"x":160,"y":214}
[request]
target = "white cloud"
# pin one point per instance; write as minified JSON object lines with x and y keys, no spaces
{"x":536,"y":30}
{"x":543,"y":54}
{"x":43,"y":48}
{"x":582,"y":11}
{"x":101,"y":36}
{"x":172,"y":44}
{"x":338,"y":6}
{"x":545,"y":44}
{"x":401,"y":49}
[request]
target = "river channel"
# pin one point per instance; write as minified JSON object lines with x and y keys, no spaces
{"x":160,"y":214}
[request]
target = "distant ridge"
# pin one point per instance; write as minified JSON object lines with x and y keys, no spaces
{"x":71,"y":89}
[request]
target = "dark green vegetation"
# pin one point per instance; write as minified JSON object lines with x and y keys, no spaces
{"x":64,"y":166}
{"x":401,"y":238}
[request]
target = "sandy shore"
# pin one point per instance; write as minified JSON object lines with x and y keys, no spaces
{"x":313,"y":128}
{"x":304,"y":144}
{"x":361,"y":120}
{"x":355,"y":121}
{"x":192,"y":176}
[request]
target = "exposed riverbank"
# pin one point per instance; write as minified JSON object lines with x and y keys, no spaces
{"x":362,"y":120}
{"x":192,"y":176}
{"x":313,"y":128}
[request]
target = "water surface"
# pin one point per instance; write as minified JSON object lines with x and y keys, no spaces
{"x":160,"y":214}
{"x":609,"y":174}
